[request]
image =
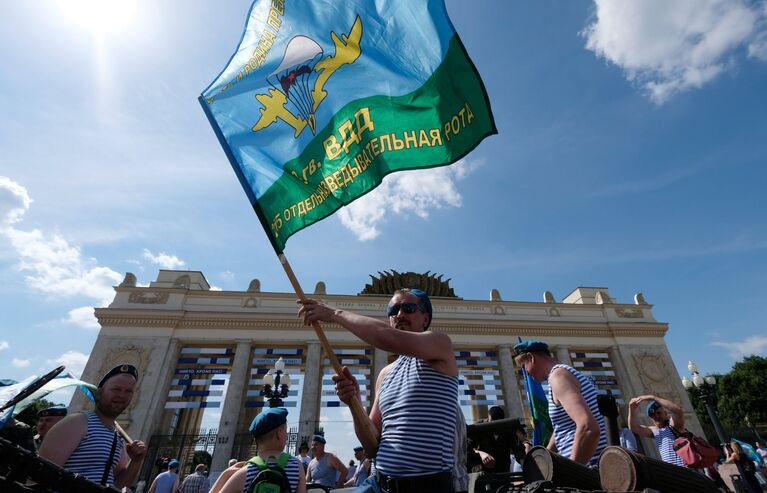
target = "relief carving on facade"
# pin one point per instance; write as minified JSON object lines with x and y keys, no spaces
{"x":656,"y":376}
{"x":148,"y":298}
{"x":132,"y":354}
{"x":631,"y":313}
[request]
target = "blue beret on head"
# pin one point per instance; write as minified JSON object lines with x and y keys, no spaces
{"x":652,"y":406}
{"x":52,"y":411}
{"x":119,"y":370}
{"x":172,"y":464}
{"x":268,"y":420}
{"x":425,"y":301}
{"x":358,"y":449}
{"x":319,"y":438}
{"x":531,"y":346}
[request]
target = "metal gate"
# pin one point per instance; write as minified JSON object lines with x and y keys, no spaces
{"x":189,"y":450}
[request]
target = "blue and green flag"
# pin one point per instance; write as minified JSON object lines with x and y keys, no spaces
{"x":323,"y":98}
{"x":539,"y":409}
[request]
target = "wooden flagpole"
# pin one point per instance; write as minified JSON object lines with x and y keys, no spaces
{"x":358,"y":412}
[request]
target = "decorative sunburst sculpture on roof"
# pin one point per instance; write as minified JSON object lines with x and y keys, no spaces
{"x":390,"y":281}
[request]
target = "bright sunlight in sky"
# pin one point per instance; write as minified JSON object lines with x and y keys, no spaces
{"x":101,"y":17}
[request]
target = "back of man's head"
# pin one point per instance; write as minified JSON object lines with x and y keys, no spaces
{"x":200,"y":468}
{"x":496,"y":412}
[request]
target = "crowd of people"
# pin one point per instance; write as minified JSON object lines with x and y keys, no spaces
{"x":414,"y":415}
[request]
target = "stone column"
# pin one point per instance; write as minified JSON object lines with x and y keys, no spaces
{"x":161,"y":385}
{"x":310,"y":401}
{"x":510,"y":385}
{"x":227,"y":427}
{"x":563,"y":355}
{"x":380,"y":360}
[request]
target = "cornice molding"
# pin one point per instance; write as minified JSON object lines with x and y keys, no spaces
{"x":213,"y":321}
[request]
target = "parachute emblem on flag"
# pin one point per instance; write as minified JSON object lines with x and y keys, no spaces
{"x":299,"y":81}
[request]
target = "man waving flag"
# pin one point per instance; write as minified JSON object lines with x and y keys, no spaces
{"x":322,"y":99}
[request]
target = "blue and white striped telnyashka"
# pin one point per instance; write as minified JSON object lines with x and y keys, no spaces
{"x":291,"y":471}
{"x":564,"y":426}
{"x":90,"y":457}
{"x":418,"y":416}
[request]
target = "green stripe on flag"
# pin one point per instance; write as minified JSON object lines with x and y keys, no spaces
{"x":369,"y":138}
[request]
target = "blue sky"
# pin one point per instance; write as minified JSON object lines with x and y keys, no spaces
{"x":630,"y":155}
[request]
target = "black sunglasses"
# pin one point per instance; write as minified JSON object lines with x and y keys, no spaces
{"x":405,"y":307}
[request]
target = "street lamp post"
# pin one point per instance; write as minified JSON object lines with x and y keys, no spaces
{"x":705,"y":386}
{"x":276,"y":383}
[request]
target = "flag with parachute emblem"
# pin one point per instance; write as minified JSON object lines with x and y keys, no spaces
{"x":322,"y":99}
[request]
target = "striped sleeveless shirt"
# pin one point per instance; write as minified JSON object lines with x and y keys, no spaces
{"x":418,"y":419}
{"x":564,"y":426}
{"x":664,"y":439}
{"x":291,"y":471}
{"x":90,"y":456}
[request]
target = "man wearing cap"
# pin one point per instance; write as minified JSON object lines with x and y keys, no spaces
{"x":414,"y":411}
{"x":663,"y":422}
{"x":363,"y":469}
{"x":88,"y":444}
{"x":270,"y":431}
{"x":579,"y":428}
{"x":166,"y":482}
{"x":46,"y":418}
{"x":325,"y":467}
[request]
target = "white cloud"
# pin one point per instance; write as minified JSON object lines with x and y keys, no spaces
{"x":14,"y":202}
{"x":20,"y":363}
{"x":83,"y":317}
{"x":74,"y":361}
{"x":4,"y":345}
{"x":747,"y":347}
{"x":416,"y":191}
{"x":164,"y":260}
{"x":668,"y":47}
{"x":52,"y":265}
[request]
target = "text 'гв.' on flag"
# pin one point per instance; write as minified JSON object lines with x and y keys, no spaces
{"x":322,"y":99}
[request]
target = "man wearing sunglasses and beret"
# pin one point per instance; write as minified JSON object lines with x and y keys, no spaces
{"x":415,"y":407}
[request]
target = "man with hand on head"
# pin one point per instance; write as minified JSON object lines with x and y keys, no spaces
{"x":46,"y":418}
{"x":415,"y":408}
{"x":579,"y":428}
{"x":88,"y":443}
{"x":663,"y":422}
{"x":270,"y":431}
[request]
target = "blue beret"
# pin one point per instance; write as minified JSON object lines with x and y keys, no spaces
{"x":652,"y":406}
{"x":268,"y":420}
{"x":319,"y":438}
{"x":531,"y":346}
{"x":425,"y":301}
{"x":52,"y":411}
{"x":119,"y":370}
{"x":172,"y":464}
{"x":358,"y":449}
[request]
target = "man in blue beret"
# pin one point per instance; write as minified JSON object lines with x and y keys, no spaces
{"x":579,"y":428}
{"x":46,"y":418}
{"x":415,"y":404}
{"x":88,"y":443}
{"x":166,"y":481}
{"x":270,"y":431}
{"x":665,"y":415}
{"x":325,"y":468}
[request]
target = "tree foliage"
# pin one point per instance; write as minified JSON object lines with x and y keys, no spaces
{"x":740,"y":393}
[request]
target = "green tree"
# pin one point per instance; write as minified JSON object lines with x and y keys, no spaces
{"x":739,"y":393}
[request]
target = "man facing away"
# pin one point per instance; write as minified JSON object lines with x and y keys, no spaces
{"x":663,"y":422}
{"x":579,"y":428}
{"x":270,"y":431}
{"x":46,"y":418}
{"x":196,"y":482}
{"x":88,"y":444}
{"x":414,"y":409}
{"x":325,"y":467}
{"x":166,"y":482}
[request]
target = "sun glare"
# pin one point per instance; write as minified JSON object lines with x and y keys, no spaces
{"x":101,"y":17}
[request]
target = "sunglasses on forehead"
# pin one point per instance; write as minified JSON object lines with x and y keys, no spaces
{"x":405,"y":307}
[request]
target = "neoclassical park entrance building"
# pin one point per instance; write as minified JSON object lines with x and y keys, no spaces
{"x":203,"y":354}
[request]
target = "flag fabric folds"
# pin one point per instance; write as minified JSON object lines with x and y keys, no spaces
{"x":322,"y":99}
{"x":539,"y":410}
{"x":61,"y":381}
